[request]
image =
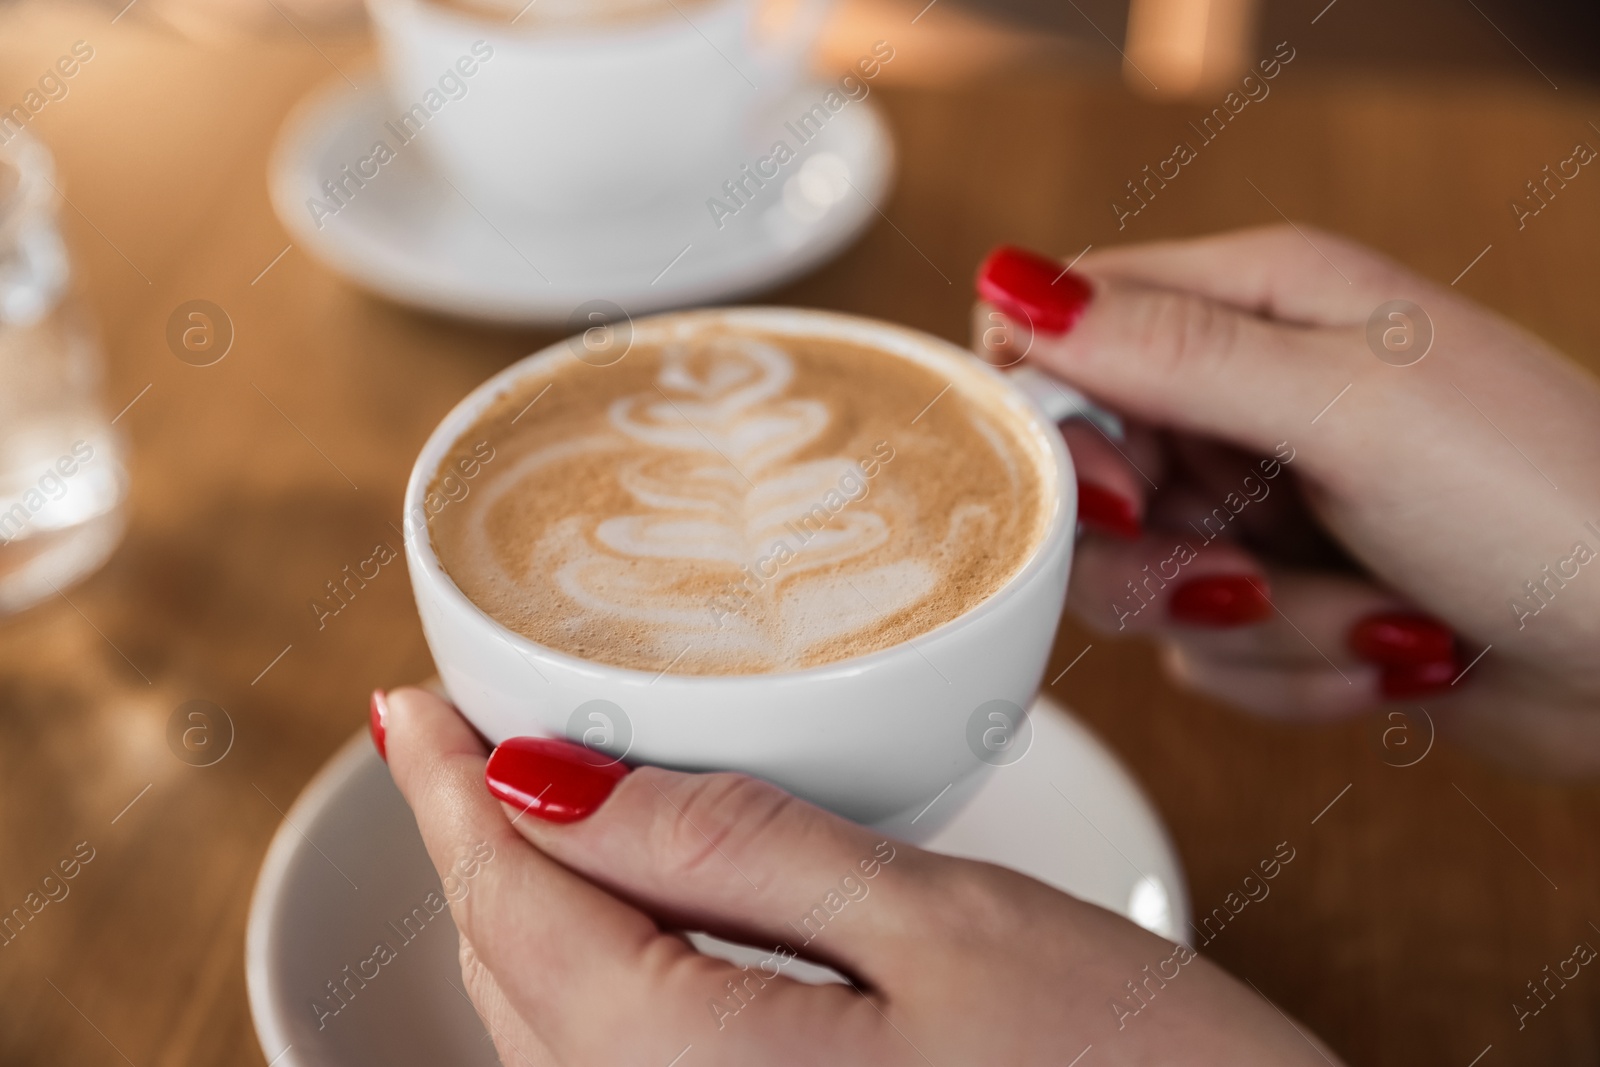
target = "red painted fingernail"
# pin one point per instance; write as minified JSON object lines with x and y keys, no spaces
{"x":377,"y":716}
{"x":1030,"y":288}
{"x":1102,"y":510}
{"x":1401,"y":638}
{"x":1220,"y":600}
{"x":555,"y":780}
{"x":1402,"y":681}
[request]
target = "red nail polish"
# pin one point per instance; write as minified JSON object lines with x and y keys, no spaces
{"x":1033,"y":289}
{"x":1404,"y":681}
{"x":555,"y":780}
{"x":1220,"y":600}
{"x":1104,"y":511}
{"x":377,"y":715}
{"x":1401,"y":638}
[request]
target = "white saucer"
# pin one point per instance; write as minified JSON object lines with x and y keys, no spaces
{"x":408,"y":234}
{"x":348,"y":861}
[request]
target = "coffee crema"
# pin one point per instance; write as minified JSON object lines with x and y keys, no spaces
{"x":724,"y":501}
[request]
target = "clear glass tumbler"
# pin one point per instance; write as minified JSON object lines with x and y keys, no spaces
{"x":62,"y":479}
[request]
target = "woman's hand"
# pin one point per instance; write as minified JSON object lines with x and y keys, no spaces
{"x":577,"y":889}
{"x":1310,"y":530}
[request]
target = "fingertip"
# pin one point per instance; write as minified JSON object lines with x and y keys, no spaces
{"x":1401,"y":638}
{"x":1417,"y":655}
{"x":1310,"y":693}
{"x":411,"y":701}
{"x":1411,"y":681}
{"x":1221,"y":601}
{"x":1104,"y":510}
{"x":551,"y":779}
{"x":377,"y":713}
{"x":417,"y":720}
{"x":1034,"y":289}
{"x":1110,"y":494}
{"x":1161,"y":578}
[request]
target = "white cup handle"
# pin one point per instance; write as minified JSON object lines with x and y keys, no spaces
{"x":1061,"y":402}
{"x":785,"y":51}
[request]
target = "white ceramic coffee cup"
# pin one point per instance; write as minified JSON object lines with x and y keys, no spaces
{"x":877,"y":738}
{"x":576,"y":116}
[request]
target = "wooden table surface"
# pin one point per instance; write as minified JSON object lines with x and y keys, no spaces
{"x":1419,"y":904}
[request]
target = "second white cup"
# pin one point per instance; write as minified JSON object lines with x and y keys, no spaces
{"x":574,"y":115}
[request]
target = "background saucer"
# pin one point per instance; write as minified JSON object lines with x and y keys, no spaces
{"x":348,"y":860}
{"x":411,"y":235}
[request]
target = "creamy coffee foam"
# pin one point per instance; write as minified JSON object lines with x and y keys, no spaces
{"x":727,"y":502}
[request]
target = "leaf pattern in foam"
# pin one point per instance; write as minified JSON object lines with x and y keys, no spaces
{"x":709,"y":461}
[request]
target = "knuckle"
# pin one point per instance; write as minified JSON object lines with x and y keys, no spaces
{"x":1181,"y":331}
{"x":668,"y":965}
{"x":719,"y":819}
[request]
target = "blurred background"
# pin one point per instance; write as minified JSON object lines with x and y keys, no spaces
{"x":1182,"y":45}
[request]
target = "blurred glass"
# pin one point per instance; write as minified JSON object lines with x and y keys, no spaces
{"x":62,"y":480}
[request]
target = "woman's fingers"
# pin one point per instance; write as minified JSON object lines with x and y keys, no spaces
{"x":1311,"y":620}
{"x":1179,"y":360}
{"x":727,"y":854}
{"x":1309,"y":644}
{"x":570,"y":957}
{"x":519,"y":905}
{"x":1214,"y":488}
{"x":514,"y":1040}
{"x":1146,"y":585}
{"x":1112,"y":486}
{"x":1114,"y":476}
{"x":1294,"y":274}
{"x":1302,"y":693}
{"x":1189,"y":363}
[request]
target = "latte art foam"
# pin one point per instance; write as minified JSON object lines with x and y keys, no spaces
{"x":723,"y":502}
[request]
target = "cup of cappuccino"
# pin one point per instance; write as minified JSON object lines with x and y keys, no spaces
{"x":554,"y":106}
{"x":819,"y":549}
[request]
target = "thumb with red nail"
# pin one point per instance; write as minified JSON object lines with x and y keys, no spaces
{"x":584,"y":875}
{"x":1309,"y":524}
